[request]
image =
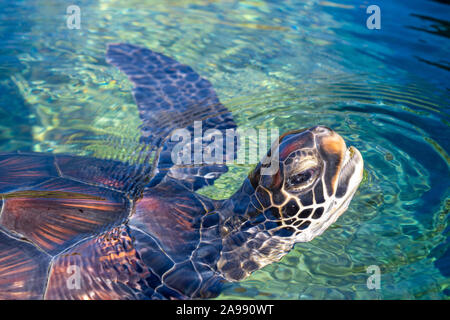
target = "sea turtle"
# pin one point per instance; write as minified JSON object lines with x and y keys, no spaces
{"x":76,"y":227}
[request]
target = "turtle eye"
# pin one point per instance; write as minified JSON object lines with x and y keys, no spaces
{"x":303,"y":178}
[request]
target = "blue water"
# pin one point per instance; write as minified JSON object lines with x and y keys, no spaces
{"x":290,"y":65}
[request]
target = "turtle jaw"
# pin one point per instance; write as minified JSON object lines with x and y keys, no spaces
{"x":351,"y":174}
{"x":350,"y":178}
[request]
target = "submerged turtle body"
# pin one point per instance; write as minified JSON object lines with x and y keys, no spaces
{"x":84,"y":228}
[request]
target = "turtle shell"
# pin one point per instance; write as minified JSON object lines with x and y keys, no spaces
{"x":84,"y":228}
{"x":45,"y":212}
{"x":68,"y":231}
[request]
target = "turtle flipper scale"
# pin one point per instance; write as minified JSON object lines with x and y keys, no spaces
{"x":171,"y":96}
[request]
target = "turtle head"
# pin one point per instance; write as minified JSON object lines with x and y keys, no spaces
{"x":316,"y":179}
{"x":312,"y":184}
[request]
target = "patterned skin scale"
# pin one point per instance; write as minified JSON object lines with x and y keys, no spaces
{"x":83,"y":228}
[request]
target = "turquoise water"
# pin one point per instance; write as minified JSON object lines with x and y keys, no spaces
{"x":290,"y":65}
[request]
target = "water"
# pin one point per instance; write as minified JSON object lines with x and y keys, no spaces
{"x":289,"y":64}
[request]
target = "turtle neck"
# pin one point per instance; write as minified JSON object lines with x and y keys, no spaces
{"x":247,"y":243}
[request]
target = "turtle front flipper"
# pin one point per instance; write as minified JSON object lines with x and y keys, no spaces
{"x":172,"y":96}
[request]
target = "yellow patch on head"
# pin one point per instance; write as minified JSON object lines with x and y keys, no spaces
{"x":333,"y":144}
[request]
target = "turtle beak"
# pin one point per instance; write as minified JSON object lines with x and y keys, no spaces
{"x":344,"y":165}
{"x":351,"y":173}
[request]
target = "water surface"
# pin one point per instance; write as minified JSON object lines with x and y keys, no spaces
{"x":289,"y":65}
